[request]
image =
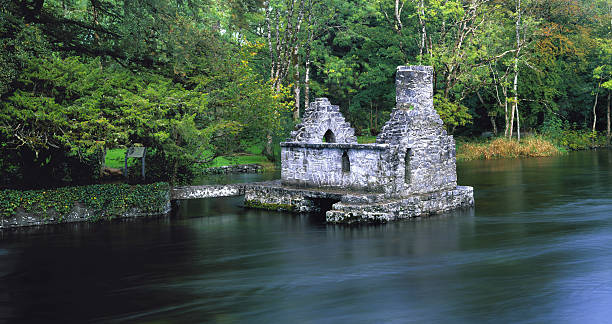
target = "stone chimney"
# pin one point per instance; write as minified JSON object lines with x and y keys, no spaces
{"x":414,"y":87}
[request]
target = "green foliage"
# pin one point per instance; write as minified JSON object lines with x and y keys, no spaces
{"x":260,"y":205}
{"x":75,"y":105}
{"x":569,"y":137}
{"x":452,"y":114}
{"x":105,"y":201}
{"x":581,"y":140}
{"x":190,"y":80}
{"x":366,"y":139}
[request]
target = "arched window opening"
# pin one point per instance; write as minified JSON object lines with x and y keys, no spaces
{"x":346,"y":163}
{"x":407,"y":166}
{"x":329,"y":137}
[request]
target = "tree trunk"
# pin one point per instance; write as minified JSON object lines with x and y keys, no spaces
{"x":283,"y":38}
{"x":307,"y":58}
{"x":376,"y":117}
{"x":518,"y":124}
{"x":506,"y":124}
{"x":269,"y":151}
{"x":370,"y":124}
{"x":422,"y":44}
{"x":608,"y":121}
{"x":491,"y":117}
{"x":307,"y":80}
{"x":103,"y":162}
{"x":296,"y":90}
{"x":595,"y":106}
{"x":516,"y":72}
{"x":494,"y":125}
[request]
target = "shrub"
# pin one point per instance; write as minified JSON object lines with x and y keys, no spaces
{"x":570,"y":136}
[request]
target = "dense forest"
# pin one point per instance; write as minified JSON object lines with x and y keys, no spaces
{"x":197,"y":79}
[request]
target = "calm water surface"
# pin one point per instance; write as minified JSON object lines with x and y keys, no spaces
{"x":535,"y":249}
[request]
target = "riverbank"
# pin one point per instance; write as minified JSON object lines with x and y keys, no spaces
{"x":497,"y":148}
{"x":83,"y":203}
{"x":530,"y":146}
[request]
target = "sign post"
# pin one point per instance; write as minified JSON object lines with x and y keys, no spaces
{"x":135,"y":152}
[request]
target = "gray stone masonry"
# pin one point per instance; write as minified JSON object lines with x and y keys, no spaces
{"x":410,"y":170}
{"x":207,"y":191}
{"x":319,"y":118}
{"x":320,"y":165}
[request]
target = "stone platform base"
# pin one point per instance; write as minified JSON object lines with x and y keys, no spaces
{"x":350,"y":207}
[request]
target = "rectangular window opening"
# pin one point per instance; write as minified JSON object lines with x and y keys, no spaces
{"x":407,"y":169}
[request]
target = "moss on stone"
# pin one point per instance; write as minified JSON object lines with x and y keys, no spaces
{"x":261,"y":205}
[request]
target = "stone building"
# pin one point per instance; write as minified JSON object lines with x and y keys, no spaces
{"x":409,"y":171}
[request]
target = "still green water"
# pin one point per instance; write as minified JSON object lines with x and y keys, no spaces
{"x":535,"y":249}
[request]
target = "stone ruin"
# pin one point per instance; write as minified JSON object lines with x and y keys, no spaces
{"x":410,"y":171}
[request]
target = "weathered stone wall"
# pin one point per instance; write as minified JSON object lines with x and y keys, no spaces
{"x":408,"y":207}
{"x":274,"y":196}
{"x":321,"y":165}
{"x":207,"y":191}
{"x":319,"y":118}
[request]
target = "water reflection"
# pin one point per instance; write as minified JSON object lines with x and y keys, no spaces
{"x":534,"y":249}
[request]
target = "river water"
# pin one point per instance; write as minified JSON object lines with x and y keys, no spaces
{"x":535,"y":249}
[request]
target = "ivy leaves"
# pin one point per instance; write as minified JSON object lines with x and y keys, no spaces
{"x":105,"y":201}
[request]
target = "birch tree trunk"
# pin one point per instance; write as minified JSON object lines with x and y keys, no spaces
{"x":296,"y":89}
{"x":282,"y":31}
{"x":507,"y":118}
{"x":595,"y":106}
{"x":421,"y":14}
{"x":283,"y":28}
{"x":504,"y":104}
{"x":307,"y":56}
{"x":518,"y":124}
{"x":516,"y":72}
{"x":307,"y":79}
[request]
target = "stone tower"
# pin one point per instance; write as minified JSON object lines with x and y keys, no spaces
{"x":423,"y":155}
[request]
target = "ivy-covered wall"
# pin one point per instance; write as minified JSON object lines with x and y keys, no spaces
{"x":85,"y":203}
